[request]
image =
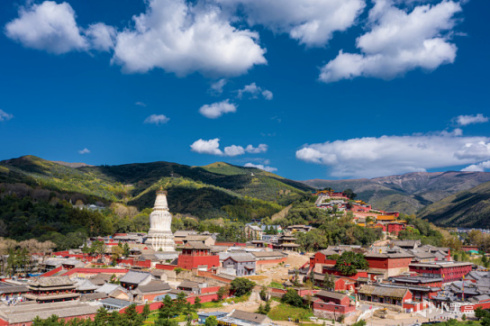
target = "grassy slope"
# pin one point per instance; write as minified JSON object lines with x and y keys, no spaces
{"x":216,"y":189}
{"x":469,"y":208}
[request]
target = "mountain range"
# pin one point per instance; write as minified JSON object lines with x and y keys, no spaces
{"x":215,"y":190}
{"x":469,"y":208}
{"x":407,"y":193}
{"x":224,"y":190}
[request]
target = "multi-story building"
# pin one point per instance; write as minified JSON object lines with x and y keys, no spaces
{"x":448,"y":271}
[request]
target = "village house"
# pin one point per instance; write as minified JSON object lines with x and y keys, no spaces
{"x":253,"y":232}
{"x":179,"y":236}
{"x":328,"y":304}
{"x":385,"y":295}
{"x":203,"y":239}
{"x":134,"y":279}
{"x":243,"y":264}
{"x":299,"y":228}
{"x":190,"y":286}
{"x":244,"y":318}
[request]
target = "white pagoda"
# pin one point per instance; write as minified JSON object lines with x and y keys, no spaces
{"x":160,"y":236}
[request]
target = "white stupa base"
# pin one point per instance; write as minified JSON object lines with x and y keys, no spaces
{"x":161,"y":241}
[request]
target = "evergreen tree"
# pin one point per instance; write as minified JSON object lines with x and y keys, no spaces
{"x":197,"y":303}
{"x":267,"y":307}
{"x":146,"y":311}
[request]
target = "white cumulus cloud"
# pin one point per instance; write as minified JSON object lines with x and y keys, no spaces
{"x":47,"y":26}
{"x":84,"y":151}
{"x":234,"y":150}
{"x":183,"y":38}
{"x":311,"y":22}
{"x":52,"y":27}
{"x":387,"y":155}
{"x":398,"y":41}
{"x":157,"y":119}
{"x":261,"y":167}
{"x":262,"y":148}
{"x":464,"y":120}
{"x":480,"y":167}
{"x":212,"y":147}
{"x":254,"y":91}
{"x":101,"y":36}
{"x":216,"y":110}
{"x":217,"y":87}
{"x":4,"y":116}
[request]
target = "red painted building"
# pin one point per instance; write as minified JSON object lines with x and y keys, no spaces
{"x":197,"y":255}
{"x":332,"y":304}
{"x":387,"y":295}
{"x":321,"y":258}
{"x":389,"y":264}
{"x":448,"y":271}
{"x":395,"y":228}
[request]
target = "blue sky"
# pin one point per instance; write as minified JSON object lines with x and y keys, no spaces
{"x":304,"y":88}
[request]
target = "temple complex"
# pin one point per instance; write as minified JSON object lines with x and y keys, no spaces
{"x":51,"y":289}
{"x":160,"y":236}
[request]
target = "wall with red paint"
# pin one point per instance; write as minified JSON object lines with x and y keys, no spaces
{"x":191,"y":262}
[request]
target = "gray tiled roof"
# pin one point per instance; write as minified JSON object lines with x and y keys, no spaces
{"x":189,"y":284}
{"x":25,"y":313}
{"x":242,"y":257}
{"x":383,"y":291}
{"x":51,"y":281}
{"x":113,"y":302}
{"x":330,"y":294}
{"x":108,"y":288}
{"x":153,"y":286}
{"x":85,"y":285}
{"x":93,"y":296}
{"x":249,"y":316}
{"x":134,"y":277}
{"x":196,"y":245}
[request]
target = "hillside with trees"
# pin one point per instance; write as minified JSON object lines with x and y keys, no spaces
{"x":58,"y":202}
{"x":469,"y":208}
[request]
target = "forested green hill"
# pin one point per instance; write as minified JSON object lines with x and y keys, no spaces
{"x":217,"y":190}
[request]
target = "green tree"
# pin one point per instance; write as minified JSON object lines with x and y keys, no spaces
{"x":292,"y":298}
{"x":329,"y":282}
{"x":180,"y":302}
{"x":146,"y":311}
{"x":221,"y":293}
{"x":349,"y":262}
{"x":126,"y":250}
{"x":197,"y":303}
{"x":168,"y":309}
{"x":350,"y":194}
{"x":241,"y":286}
{"x":132,"y":317}
{"x":263,"y":293}
{"x":166,"y":322}
{"x":211,"y":321}
{"x":267,"y":307}
{"x":260,"y":310}
{"x":98,"y":248}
